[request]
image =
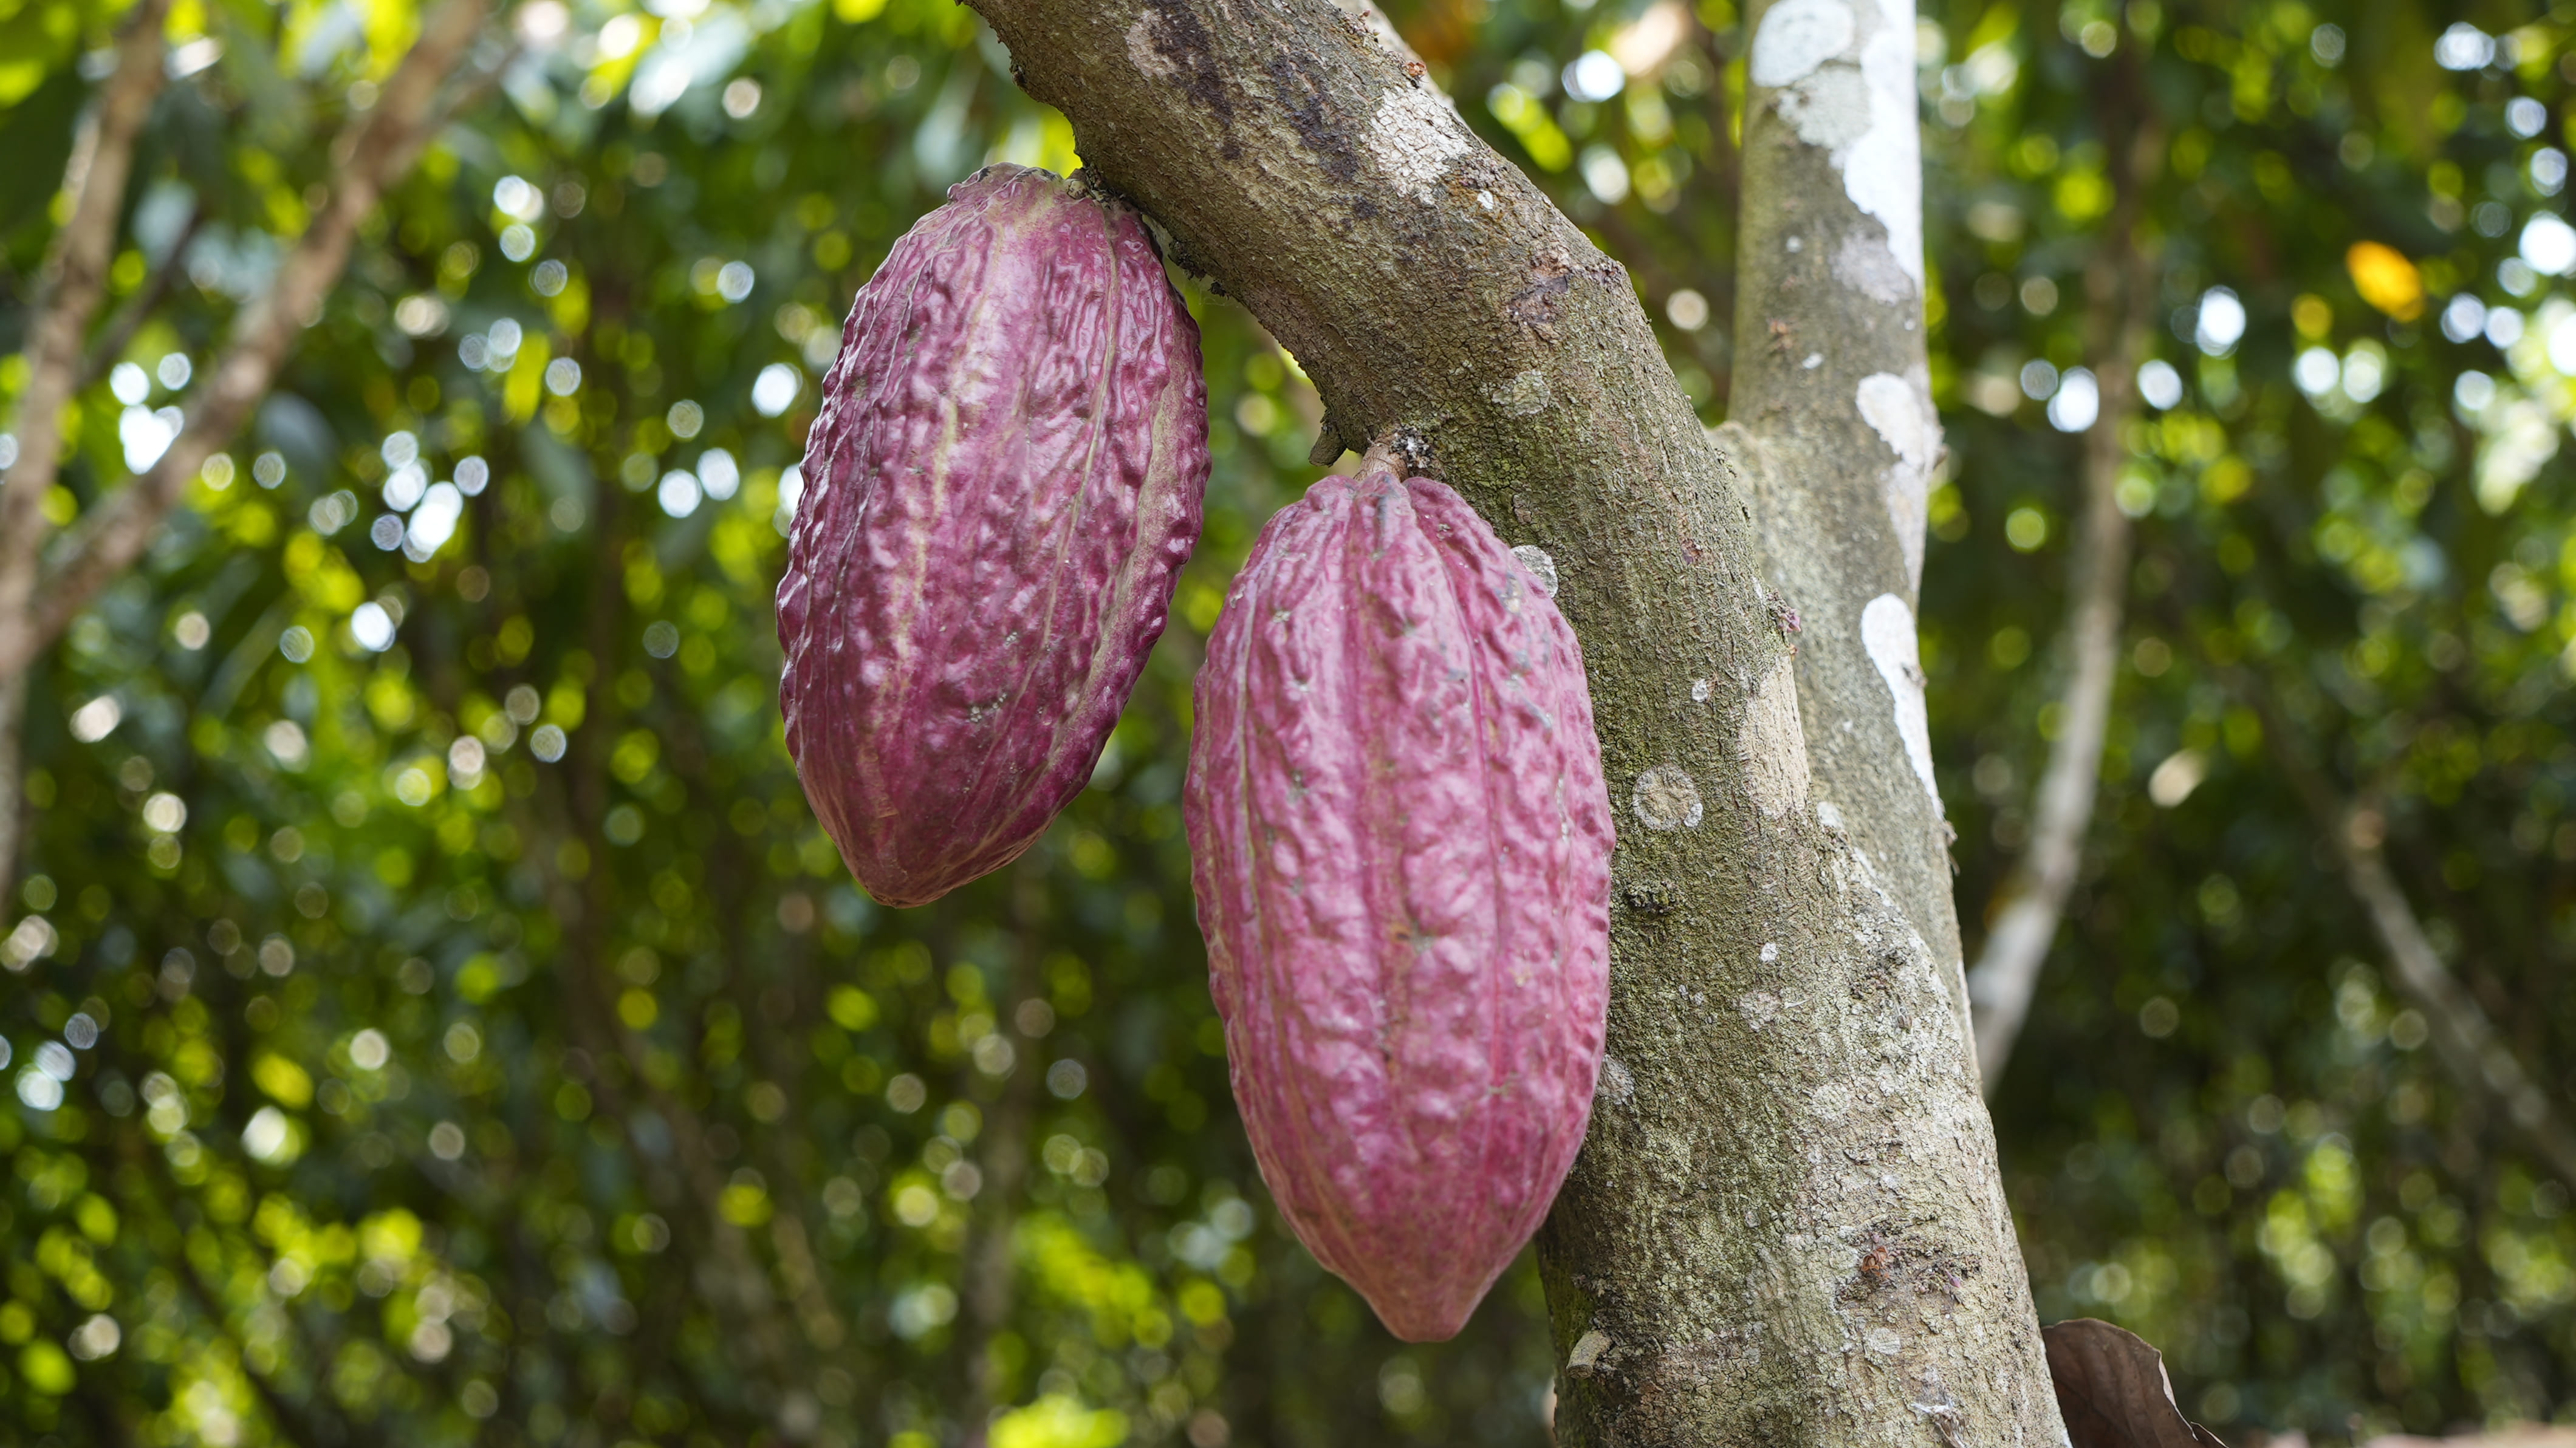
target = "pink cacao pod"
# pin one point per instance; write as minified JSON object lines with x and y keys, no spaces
{"x":1401,"y":844}
{"x":1000,"y":490}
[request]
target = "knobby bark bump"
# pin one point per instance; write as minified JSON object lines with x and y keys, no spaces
{"x":1787,"y":1224}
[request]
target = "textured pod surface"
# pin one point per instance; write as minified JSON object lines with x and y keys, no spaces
{"x":1401,"y":844}
{"x":1000,"y":489}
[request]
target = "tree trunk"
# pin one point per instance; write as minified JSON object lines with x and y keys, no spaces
{"x":1832,"y":414}
{"x":1787,"y":1226}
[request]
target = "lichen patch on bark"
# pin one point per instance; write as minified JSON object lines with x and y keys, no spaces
{"x":1413,"y":140}
{"x":1796,"y":37}
{"x":1887,"y":631}
{"x":1542,"y":568}
{"x":1773,"y":745}
{"x":1829,"y":109}
{"x":1618,"y":1085}
{"x":1666,"y":798}
{"x":1525,"y":395}
{"x":1759,"y":1008}
{"x":1900,"y":412}
{"x":1858,"y":105}
{"x":1864,"y":264}
{"x":1883,"y":175}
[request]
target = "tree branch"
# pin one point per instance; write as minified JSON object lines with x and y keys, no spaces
{"x":2032,"y":899}
{"x":2462,"y":1035}
{"x":1785,"y":1081}
{"x":17,"y":817}
{"x":374,"y":153}
{"x":76,"y":276}
{"x":1830,"y":405}
{"x":112,"y":343}
{"x":2466,"y":1040}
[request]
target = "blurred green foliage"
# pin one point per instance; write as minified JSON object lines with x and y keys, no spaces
{"x":434,"y":1016}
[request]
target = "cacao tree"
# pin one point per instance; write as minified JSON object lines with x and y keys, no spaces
{"x":1788,"y":1221}
{"x":433,"y":1013}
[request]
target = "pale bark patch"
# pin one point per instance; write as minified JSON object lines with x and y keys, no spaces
{"x":1412,"y":141}
{"x":1667,"y":798}
{"x":1883,"y":175}
{"x":1797,"y":36}
{"x":1525,"y":395}
{"x":1141,"y":49}
{"x":1864,"y":263}
{"x":1542,"y":568}
{"x":1759,"y":1008}
{"x":1861,"y":109}
{"x":1901,"y":414}
{"x":1887,"y":631}
{"x":1830,"y":109}
{"x":1773,"y":744}
{"x":1832,"y":1100}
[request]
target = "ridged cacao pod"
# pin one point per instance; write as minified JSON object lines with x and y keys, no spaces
{"x":1401,"y":844}
{"x":1000,"y":490}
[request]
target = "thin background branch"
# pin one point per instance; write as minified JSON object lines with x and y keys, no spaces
{"x":2462,"y":1035}
{"x":2120,"y":288}
{"x":376,"y":151}
{"x":74,"y":277}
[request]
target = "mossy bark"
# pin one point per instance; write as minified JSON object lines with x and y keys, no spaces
{"x":1787,"y":1226}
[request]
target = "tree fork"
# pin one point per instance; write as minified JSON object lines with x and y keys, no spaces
{"x":1787,"y":1225}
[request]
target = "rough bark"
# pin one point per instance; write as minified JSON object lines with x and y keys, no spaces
{"x":1831,"y":410}
{"x":1787,"y":1225}
{"x":378,"y":149}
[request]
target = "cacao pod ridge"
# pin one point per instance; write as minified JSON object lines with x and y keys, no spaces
{"x":1001,"y":486}
{"x":1401,"y":845}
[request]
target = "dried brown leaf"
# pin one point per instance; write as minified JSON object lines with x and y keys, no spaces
{"x":2113,"y":1392}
